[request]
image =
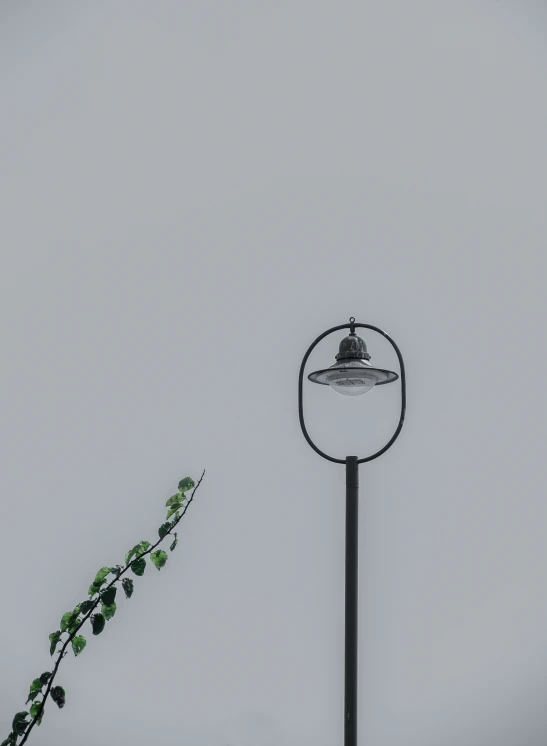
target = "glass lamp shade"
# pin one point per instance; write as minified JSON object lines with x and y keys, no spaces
{"x":352,"y":377}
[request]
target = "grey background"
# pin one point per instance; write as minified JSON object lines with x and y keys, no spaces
{"x":190,"y":193}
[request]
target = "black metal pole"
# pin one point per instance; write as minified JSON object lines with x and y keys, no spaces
{"x":352,"y":544}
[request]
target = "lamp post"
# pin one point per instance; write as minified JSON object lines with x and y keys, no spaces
{"x":352,"y":374}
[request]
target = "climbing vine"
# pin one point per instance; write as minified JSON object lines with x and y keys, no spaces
{"x":98,"y":609}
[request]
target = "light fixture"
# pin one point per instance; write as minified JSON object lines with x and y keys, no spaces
{"x":352,"y":374}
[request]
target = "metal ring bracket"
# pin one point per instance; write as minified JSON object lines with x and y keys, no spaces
{"x":395,"y":435}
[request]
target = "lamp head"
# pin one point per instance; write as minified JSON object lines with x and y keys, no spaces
{"x":352,"y":374}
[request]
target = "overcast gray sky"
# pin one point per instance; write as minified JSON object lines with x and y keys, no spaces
{"x":190,"y":193}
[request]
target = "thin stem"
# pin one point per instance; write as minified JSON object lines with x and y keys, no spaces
{"x":72,"y":634}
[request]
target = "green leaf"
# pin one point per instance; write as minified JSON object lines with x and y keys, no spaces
{"x":108,"y":596}
{"x":68,"y":620}
{"x":35,"y":689}
{"x":186,"y":484}
{"x":58,"y":695}
{"x":100,"y":578}
{"x":78,"y":644}
{"x":10,"y":740}
{"x":54,"y":639}
{"x":20,"y":723}
{"x":45,"y":677}
{"x":109,"y":611}
{"x":97,"y":623}
{"x":116,"y":570}
{"x":159,"y":558}
{"x":127,"y":585}
{"x":137,"y":550}
{"x":138,"y":566}
{"x":164,"y":529}
{"x":174,"y":508}
{"x":34,"y":711}
{"x":174,"y":544}
{"x":74,"y":625}
{"x":86,"y":606}
{"x":101,"y":575}
{"x":175,"y":501}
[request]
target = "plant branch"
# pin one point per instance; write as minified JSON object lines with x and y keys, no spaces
{"x":62,"y":651}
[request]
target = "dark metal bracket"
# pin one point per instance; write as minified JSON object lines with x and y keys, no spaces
{"x":352,"y":325}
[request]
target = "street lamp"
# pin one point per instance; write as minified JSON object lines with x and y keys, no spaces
{"x":352,"y":374}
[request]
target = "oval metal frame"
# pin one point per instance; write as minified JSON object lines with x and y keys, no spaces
{"x":403,"y":392}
